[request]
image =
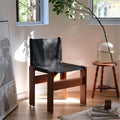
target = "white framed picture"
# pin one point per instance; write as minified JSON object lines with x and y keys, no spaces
{"x":8,"y":97}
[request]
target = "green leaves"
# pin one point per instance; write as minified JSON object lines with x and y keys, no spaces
{"x":70,"y":8}
{"x":59,"y":5}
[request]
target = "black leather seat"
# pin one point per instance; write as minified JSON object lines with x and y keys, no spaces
{"x":46,"y":56}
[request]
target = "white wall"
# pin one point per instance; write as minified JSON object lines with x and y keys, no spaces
{"x":79,"y":41}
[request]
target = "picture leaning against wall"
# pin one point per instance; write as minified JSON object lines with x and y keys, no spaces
{"x":8,"y":97}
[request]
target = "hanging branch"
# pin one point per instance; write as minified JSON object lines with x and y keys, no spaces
{"x":92,"y":13}
{"x":60,"y":7}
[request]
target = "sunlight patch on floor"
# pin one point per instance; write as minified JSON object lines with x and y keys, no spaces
{"x":68,"y":100}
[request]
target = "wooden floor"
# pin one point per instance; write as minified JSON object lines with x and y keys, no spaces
{"x":61,"y":107}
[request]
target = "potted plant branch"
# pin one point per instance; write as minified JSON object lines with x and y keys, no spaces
{"x":75,"y":9}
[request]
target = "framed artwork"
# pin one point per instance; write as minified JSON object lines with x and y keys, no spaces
{"x":8,"y":97}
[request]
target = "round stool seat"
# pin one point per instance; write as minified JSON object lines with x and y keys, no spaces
{"x":104,"y":64}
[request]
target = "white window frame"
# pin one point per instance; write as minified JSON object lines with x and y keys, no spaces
{"x":44,"y":15}
{"x":104,"y":21}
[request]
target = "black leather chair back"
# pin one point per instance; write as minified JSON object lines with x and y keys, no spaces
{"x":44,"y":52}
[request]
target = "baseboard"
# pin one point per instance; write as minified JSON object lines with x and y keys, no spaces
{"x":21,"y":96}
{"x":25,"y":95}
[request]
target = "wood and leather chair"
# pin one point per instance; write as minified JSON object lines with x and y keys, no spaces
{"x":46,"y":56}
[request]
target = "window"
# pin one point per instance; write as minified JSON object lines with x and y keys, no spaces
{"x":32,"y":12}
{"x":108,"y":11}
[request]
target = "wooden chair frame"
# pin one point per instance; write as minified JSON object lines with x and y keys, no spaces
{"x":56,"y":85}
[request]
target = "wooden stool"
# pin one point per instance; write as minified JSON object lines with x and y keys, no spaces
{"x":101,"y":86}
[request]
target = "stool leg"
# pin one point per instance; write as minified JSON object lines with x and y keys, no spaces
{"x":95,"y":80}
{"x":101,"y":81}
{"x":115,"y":80}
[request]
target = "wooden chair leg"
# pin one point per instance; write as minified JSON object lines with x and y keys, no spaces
{"x":101,"y":81}
{"x":64,"y":91}
{"x":83,"y":88}
{"x":50,"y":92}
{"x":31,"y":86}
{"x":95,"y":80}
{"x":115,"y":80}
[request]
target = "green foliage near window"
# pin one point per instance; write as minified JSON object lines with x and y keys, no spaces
{"x":24,"y":11}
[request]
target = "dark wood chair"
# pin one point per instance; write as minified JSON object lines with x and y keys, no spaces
{"x":46,"y":56}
